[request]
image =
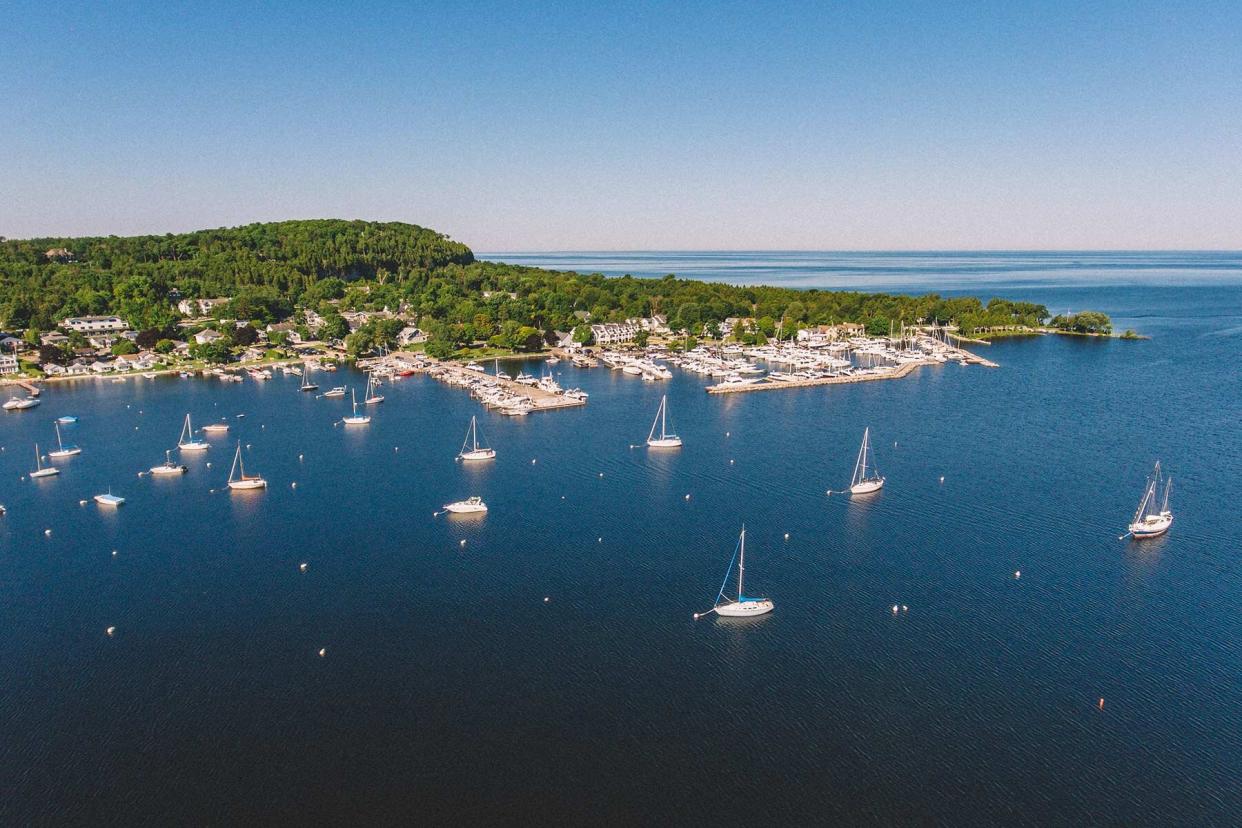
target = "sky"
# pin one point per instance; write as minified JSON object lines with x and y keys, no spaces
{"x":636,"y":126}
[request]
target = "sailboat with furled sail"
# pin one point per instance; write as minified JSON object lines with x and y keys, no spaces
{"x":666,"y":438}
{"x":372,"y":398}
{"x":356,"y":418}
{"x":306,"y":384}
{"x":1153,"y":518}
{"x":186,"y":441}
{"x":63,"y":450}
{"x":238,"y":479}
{"x":743,"y":606}
{"x":40,"y":469}
{"x":471,"y":449}
{"x":867,"y":477}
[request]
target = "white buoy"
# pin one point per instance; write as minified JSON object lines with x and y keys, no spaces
{"x":786,"y":536}
{"x":599,"y":540}
{"x":302,"y":566}
{"x":463,"y":541}
{"x":81,"y":502}
{"x":293,"y":485}
{"x":323,"y":651}
{"x":546,"y":599}
{"x":209,"y":464}
{"x":601,"y":474}
{"x":687,"y":497}
{"x":730,"y":462}
{"x":394,"y":448}
{"x":247,"y":447}
{"x":1017,"y":573}
{"x":726,"y":434}
{"x":532,"y":461}
{"x":110,"y":631}
{"x":942,"y":478}
{"x":904,"y":608}
{"x":299,"y":458}
{"x":895,"y":608}
{"x":114,"y":553}
{"x":696,"y":616}
{"x":47,"y":533}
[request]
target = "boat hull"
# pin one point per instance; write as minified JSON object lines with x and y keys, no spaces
{"x":161,"y":471}
{"x":1151,"y":528}
{"x":356,"y":421}
{"x":194,"y":446}
{"x":465,"y":508}
{"x":109,"y":500}
{"x":480,"y":454}
{"x":867,"y":487}
{"x":664,"y":443}
{"x":247,"y":485}
{"x":35,"y":475}
{"x":746,"y":609}
{"x":69,"y":452}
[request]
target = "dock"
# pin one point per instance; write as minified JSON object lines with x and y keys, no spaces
{"x":898,"y":372}
{"x":540,"y":400}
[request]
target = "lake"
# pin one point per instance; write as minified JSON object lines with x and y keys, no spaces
{"x":450,"y":689}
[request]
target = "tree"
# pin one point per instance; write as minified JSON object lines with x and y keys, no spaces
{"x":583,"y":335}
{"x":52,"y":354}
{"x":641,"y":337}
{"x":878,"y":326}
{"x":123,"y":347}
{"x":334,"y":327}
{"x":148,"y":337}
{"x":31,"y":337}
{"x":215,"y":352}
{"x":439,"y":348}
{"x":246,"y":335}
{"x":165,"y":346}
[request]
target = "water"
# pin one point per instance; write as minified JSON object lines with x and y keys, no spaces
{"x":451,"y":691}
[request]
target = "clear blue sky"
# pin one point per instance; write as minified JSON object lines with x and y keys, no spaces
{"x":649,"y":125}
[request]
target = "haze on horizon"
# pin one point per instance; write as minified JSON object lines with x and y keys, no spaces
{"x":661,"y":126}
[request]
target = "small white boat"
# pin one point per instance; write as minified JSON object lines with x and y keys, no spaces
{"x":371,"y":398}
{"x":471,"y":449}
{"x":469,"y":506}
{"x":867,"y":478}
{"x":356,"y":419}
{"x":168,"y":466}
{"x":238,"y":479}
{"x":553,"y":359}
{"x":109,"y":499}
{"x":1150,"y":520}
{"x":186,"y":441}
{"x":744,"y":606}
{"x":68,"y":419}
{"x":40,"y":469}
{"x":61,"y":449}
{"x":666,"y":439}
{"x":19,"y":404}
{"x":338,"y":391}
{"x":216,"y":428}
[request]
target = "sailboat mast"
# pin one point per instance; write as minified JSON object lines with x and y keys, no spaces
{"x":60,"y":445}
{"x":741,"y":566}
{"x":236,"y":461}
{"x":663,"y":416}
{"x":474,"y":434}
{"x":860,"y":468}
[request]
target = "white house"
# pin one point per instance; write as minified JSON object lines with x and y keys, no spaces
{"x":411,"y":335}
{"x":95,"y":324}
{"x":207,"y":335}
{"x":613,"y":333}
{"x":200,"y":307}
{"x":8,"y":364}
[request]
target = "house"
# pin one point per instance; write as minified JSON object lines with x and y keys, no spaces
{"x":101,"y":342}
{"x":95,"y":324}
{"x":251,"y":354}
{"x":102,"y":366}
{"x":411,"y":335}
{"x":201,"y":307}
{"x":612,"y":333}
{"x":288,"y":329}
{"x":12,"y":343}
{"x":58,"y":254}
{"x":564,"y":340}
{"x":54,"y":338}
{"x":8,"y":364}
{"x":207,"y":335}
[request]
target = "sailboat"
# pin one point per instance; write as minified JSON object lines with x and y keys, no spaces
{"x":356,"y":418}
{"x":62,"y":450}
{"x":666,"y":439}
{"x":470,"y":449}
{"x":307,"y":385}
{"x":238,"y":479}
{"x":1149,"y":520}
{"x":186,"y":441}
{"x":168,"y":466}
{"x":867,"y":478}
{"x":371,"y":398}
{"x":743,"y":607}
{"x":40,"y":469}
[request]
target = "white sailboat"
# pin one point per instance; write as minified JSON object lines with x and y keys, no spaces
{"x":307,"y":385}
{"x":666,"y":439}
{"x":238,"y":479}
{"x":1153,"y":518}
{"x":470,"y":449}
{"x":371,"y":398}
{"x":867,"y":477}
{"x":469,"y":506}
{"x":743,"y":606}
{"x":356,"y":418}
{"x":62,"y":450}
{"x":168,"y":466}
{"x":186,"y":441}
{"x":40,"y":469}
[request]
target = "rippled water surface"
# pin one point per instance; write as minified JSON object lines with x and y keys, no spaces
{"x":450,"y":690}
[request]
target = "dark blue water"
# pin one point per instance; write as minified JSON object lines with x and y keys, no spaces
{"x":451,"y":691}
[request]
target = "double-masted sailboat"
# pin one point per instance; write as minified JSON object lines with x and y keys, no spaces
{"x":472,"y":449}
{"x":666,"y":438}
{"x":238,"y":479}
{"x":867,"y":477}
{"x":186,"y":441}
{"x":1153,"y":518}
{"x":743,"y":606}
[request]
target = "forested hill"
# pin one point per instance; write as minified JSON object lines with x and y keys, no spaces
{"x":271,"y":270}
{"x":50,"y":278}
